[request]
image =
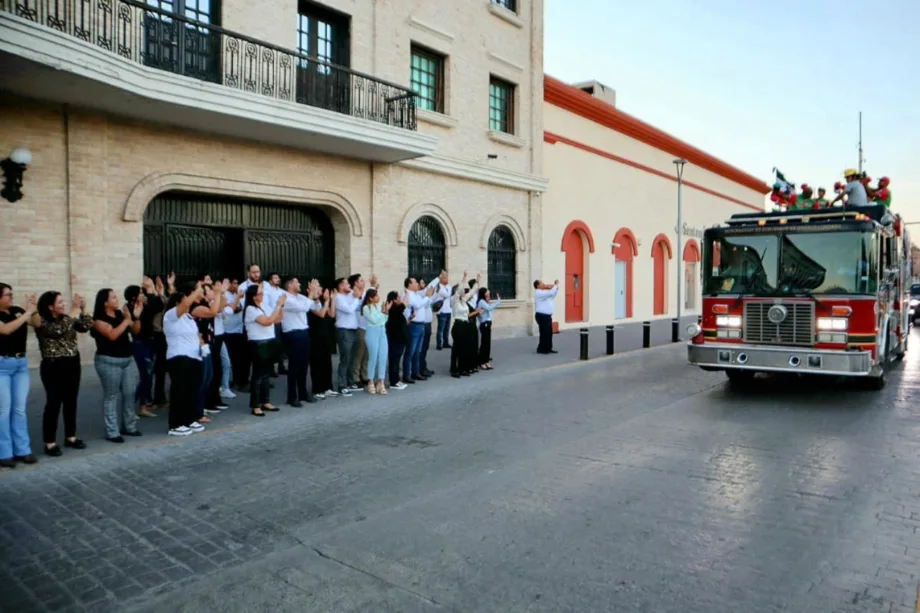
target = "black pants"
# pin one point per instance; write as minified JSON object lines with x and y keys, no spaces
{"x":474,"y":344}
{"x":239,"y":358}
{"x":279,"y":336}
{"x":263,"y":362}
{"x":460,"y":349}
{"x":212,"y":397}
{"x":426,"y":343}
{"x":184,"y":383}
{"x":396,"y":349}
{"x":545,"y":325}
{"x":321,"y":365}
{"x":159,"y":369}
{"x":297,"y":344}
{"x":61,"y":380}
{"x":485,"y":343}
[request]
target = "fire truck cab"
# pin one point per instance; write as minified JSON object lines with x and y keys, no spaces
{"x":823,"y":292}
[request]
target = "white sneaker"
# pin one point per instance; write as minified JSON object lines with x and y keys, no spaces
{"x":180,"y":431}
{"x":225,"y":393}
{"x":320,"y":396}
{"x":399,"y":386}
{"x":196,"y":427}
{"x":331,"y":393}
{"x":345,"y":393}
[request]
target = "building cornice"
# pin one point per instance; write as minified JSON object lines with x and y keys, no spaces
{"x":574,"y":100}
{"x":477,"y":171}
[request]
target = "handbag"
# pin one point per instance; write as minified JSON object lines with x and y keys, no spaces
{"x":436,"y":306}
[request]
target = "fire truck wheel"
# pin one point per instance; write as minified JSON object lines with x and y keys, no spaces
{"x":740,"y":378}
{"x":877,"y":383}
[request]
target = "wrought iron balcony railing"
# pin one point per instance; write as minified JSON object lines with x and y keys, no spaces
{"x":174,"y":43}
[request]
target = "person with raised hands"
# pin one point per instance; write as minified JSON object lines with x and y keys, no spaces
{"x":14,"y":379}
{"x":295,"y":330}
{"x":263,"y":346}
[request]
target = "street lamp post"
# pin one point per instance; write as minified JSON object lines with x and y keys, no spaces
{"x":679,"y":163}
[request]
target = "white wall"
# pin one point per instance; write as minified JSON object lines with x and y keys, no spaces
{"x":608,"y":195}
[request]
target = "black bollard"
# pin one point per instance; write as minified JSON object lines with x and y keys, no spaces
{"x":699,"y":319}
{"x":646,"y":334}
{"x":584,"y":343}
{"x":609,"y":340}
{"x":675,"y":330}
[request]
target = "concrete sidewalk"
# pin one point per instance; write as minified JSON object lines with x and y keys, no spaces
{"x":510,"y":356}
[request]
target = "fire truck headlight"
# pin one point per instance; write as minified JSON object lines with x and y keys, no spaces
{"x":728,"y":321}
{"x":693,"y":330}
{"x":833,"y":323}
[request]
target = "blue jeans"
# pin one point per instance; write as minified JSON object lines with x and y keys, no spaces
{"x":225,"y":366}
{"x":207,"y":373}
{"x":144,"y":351}
{"x":412,"y":358}
{"x":347,"y":339}
{"x":119,"y":385}
{"x":14,"y":391}
{"x":426,"y":343}
{"x":443,"y":338}
{"x":377,"y":353}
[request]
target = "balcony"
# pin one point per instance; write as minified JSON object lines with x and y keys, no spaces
{"x":133,"y":60}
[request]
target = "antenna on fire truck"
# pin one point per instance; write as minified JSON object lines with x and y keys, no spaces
{"x":861,"y":159}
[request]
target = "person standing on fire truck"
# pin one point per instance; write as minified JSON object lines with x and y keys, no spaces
{"x":821,"y":202}
{"x":882,"y":195}
{"x":805,"y":201}
{"x":855,"y":191}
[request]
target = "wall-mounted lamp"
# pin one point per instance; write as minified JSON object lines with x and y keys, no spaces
{"x":13,"y":169}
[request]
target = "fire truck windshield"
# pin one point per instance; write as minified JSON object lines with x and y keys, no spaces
{"x":791,"y":263}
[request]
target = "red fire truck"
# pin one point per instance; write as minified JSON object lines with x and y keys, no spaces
{"x":821,"y":291}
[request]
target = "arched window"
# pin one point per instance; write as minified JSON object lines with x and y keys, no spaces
{"x":427,"y":249}
{"x":502,"y":263}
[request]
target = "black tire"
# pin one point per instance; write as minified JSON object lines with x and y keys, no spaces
{"x":878,"y":383}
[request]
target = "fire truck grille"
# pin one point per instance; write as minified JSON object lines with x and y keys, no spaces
{"x":797,"y":329}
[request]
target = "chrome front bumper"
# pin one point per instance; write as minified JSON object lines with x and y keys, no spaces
{"x":782,"y":359}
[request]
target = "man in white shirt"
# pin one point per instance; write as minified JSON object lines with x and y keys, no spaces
{"x":855,"y":191}
{"x":234,"y":341}
{"x":442,"y":339}
{"x":544,"y":296}
{"x":347,"y":306}
{"x":359,"y":359}
{"x":296,"y":335}
{"x":426,"y":316}
{"x":269,"y":301}
{"x":416,"y":301}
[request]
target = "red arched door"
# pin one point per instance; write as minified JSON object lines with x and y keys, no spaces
{"x":661,"y":255}
{"x":574,"y":276}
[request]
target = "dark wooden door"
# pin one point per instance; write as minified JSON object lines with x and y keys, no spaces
{"x":194,"y":234}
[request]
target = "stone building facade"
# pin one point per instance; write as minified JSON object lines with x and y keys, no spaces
{"x":283,"y":135}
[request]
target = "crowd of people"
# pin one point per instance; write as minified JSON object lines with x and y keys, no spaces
{"x":214,"y":338}
{"x":855,"y":192}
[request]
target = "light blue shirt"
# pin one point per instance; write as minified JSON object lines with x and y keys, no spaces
{"x":486,"y":315}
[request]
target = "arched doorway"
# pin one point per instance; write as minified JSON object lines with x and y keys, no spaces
{"x":661,"y":255}
{"x":577,"y":242}
{"x":625,"y":249}
{"x":192,"y":234}
{"x":691,"y":260}
{"x":427,"y":249}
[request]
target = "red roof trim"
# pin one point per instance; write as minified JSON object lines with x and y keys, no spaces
{"x":583,"y":104}
{"x":551,"y":138}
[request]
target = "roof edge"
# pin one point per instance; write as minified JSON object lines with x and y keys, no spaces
{"x":574,"y":100}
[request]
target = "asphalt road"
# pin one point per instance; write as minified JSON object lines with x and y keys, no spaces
{"x":635,"y":483}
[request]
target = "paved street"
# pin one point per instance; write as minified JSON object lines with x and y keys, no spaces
{"x":632,"y":483}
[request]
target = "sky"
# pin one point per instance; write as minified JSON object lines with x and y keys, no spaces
{"x":760,"y":84}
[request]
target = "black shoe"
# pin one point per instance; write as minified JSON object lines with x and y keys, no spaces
{"x":8,"y":463}
{"x":115,"y":439}
{"x":54,"y":452}
{"x":448,"y":346}
{"x":134,"y":433}
{"x":409,"y":381}
{"x":418,"y":378}
{"x":296,"y":404}
{"x":75,"y":444}
{"x":243,"y":389}
{"x":26,"y":459}
{"x":428,"y":373}
{"x":455,"y":375}
{"x":553,"y":351}
{"x":439,"y":348}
